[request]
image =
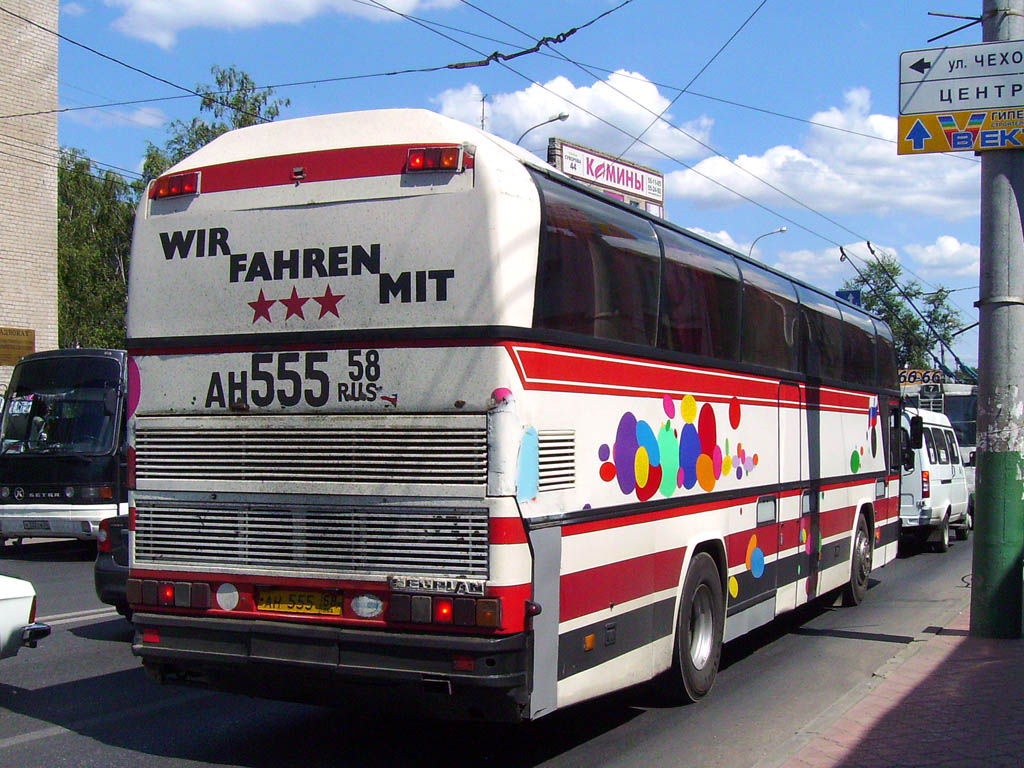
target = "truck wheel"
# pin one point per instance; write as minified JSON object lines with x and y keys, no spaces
{"x":699,"y":628}
{"x":964,"y":529}
{"x":860,"y":566}
{"x":942,"y":544}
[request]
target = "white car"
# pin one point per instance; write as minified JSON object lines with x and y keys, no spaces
{"x":18,"y":625}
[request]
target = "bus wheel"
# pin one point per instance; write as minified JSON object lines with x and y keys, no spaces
{"x":860,"y":567}
{"x":699,"y":628}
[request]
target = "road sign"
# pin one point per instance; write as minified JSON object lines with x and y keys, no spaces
{"x":962,"y":98}
{"x":962,"y":77}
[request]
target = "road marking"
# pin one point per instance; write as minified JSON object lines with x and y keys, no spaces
{"x":77,"y":616}
{"x":79,"y":726}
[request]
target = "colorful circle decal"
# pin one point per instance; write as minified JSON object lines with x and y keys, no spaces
{"x":645,"y":459}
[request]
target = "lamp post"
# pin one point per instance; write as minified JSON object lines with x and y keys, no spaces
{"x":560,"y":116}
{"x":778,"y":231}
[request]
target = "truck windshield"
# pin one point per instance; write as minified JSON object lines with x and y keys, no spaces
{"x":61,"y":406}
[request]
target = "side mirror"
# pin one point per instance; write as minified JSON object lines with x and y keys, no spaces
{"x":916,"y":432}
{"x":970,"y":459}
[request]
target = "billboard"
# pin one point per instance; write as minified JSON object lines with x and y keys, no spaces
{"x":634,"y":184}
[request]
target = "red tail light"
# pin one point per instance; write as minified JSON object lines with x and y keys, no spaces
{"x":178,"y":185}
{"x":32,"y":611}
{"x":442,"y":610}
{"x":435,"y":159}
{"x":131,"y":518}
{"x":103,"y":542}
{"x":926,"y":484}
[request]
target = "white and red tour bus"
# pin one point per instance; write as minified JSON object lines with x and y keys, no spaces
{"x":416,"y":417}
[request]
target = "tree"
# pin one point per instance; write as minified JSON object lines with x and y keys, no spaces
{"x":235,"y":102}
{"x":95,"y":210}
{"x":915,"y":339}
{"x":94,"y":227}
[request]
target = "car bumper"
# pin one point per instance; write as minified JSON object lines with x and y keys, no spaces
{"x":110,"y":579}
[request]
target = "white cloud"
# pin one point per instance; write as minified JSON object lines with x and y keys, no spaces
{"x":624,"y":99}
{"x":145,"y":117}
{"x":945,"y":258}
{"x":159,"y":21}
{"x":73,"y":9}
{"x":839,"y":172}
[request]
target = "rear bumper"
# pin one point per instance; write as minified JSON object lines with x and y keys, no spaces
{"x":110,"y":580}
{"x":327,"y":665}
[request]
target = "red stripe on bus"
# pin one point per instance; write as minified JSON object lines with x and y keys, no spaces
{"x":553,"y":369}
{"x":597,"y":589}
{"x":513,"y":605}
{"x":738,"y":544}
{"x":507,"y":530}
{"x":323,"y":165}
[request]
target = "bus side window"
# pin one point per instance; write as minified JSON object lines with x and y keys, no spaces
{"x":885,"y":356}
{"x":770,"y":313}
{"x":700,"y":295}
{"x":599,"y":268}
{"x":822,"y":347}
{"x":858,"y":348}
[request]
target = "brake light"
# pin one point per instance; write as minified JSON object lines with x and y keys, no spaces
{"x":178,"y":185}
{"x":926,"y":484}
{"x":32,"y":611}
{"x":442,"y":610}
{"x":435,"y":159}
{"x":103,"y":542}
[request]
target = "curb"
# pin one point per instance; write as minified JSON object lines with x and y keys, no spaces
{"x":822,"y":723}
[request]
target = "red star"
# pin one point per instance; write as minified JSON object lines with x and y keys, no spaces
{"x":261,"y":307}
{"x":294,"y":304}
{"x":328,"y":302}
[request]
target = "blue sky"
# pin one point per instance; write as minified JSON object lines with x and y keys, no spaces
{"x":792,"y":123}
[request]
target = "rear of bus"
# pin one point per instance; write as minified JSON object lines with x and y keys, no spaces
{"x":324,"y":438}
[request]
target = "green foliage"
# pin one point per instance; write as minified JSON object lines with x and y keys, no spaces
{"x":95,"y":211}
{"x":94,"y":226}
{"x":917,"y":346}
{"x":235,"y":102}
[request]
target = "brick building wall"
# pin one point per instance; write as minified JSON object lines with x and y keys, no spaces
{"x":28,"y":176}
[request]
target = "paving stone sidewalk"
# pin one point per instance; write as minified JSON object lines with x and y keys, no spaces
{"x":954,"y":701}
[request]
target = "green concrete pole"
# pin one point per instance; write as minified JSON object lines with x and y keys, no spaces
{"x":999,"y":495}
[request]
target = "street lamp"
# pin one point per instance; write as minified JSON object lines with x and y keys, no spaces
{"x":560,"y":116}
{"x":778,"y":231}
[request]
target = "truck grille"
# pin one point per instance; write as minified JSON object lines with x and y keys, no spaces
{"x":173,"y":452}
{"x":304,"y":540}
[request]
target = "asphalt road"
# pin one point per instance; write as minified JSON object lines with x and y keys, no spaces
{"x":81,"y":698}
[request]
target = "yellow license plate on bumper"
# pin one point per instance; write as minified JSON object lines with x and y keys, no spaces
{"x":297,"y":601}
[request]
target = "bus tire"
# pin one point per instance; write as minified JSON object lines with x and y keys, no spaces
{"x":860,"y":565}
{"x":698,"y":637}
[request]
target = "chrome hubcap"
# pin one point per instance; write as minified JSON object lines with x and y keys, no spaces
{"x":701,"y":627}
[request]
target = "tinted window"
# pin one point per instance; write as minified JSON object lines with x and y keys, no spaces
{"x":954,"y":450}
{"x":770,"y":316}
{"x":858,"y":348}
{"x":700,"y":297}
{"x":766,"y":510}
{"x":599,"y":268}
{"x":929,"y":445}
{"x":822,"y":350}
{"x":940,"y":445}
{"x":885,"y":356}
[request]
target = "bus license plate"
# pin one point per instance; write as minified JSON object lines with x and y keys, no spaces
{"x":291,"y":601}
{"x":36,"y":525}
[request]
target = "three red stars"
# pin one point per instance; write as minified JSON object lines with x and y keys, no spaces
{"x":328,"y":305}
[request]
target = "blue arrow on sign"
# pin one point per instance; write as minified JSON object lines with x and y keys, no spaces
{"x":918,"y":134}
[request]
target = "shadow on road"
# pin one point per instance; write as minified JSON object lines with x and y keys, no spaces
{"x":51,"y":550}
